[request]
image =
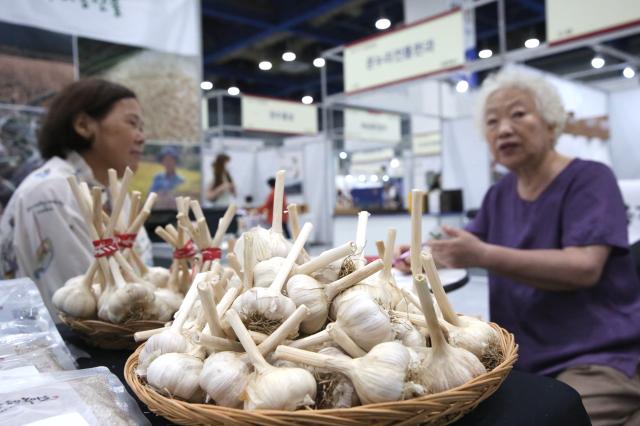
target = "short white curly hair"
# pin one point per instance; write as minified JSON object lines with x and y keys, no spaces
{"x":545,"y":95}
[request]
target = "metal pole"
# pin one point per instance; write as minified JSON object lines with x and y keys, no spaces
{"x":502,"y":29}
{"x":76,"y":60}
{"x":220,"y":115}
{"x":328,"y":160}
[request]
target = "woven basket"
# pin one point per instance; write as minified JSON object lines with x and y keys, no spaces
{"x":106,"y":335}
{"x":437,"y":409}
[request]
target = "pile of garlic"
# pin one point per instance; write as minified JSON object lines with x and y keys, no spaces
{"x":278,"y":330}
{"x":117,"y":286}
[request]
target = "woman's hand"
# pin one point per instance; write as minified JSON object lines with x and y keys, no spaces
{"x":461,"y":250}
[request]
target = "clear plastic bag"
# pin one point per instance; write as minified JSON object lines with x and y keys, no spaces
{"x":45,"y":351}
{"x":93,"y":395}
{"x":22,"y":309}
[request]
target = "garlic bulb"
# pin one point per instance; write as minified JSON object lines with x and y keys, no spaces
{"x":263,"y":309}
{"x":225,"y":374}
{"x":176,"y":374}
{"x":167,"y":302}
{"x":171,"y":339}
{"x":444,"y":366}
{"x":305,"y":290}
{"x":265,"y":271}
{"x":365,"y":322}
{"x":379,"y":376}
{"x":267,"y":244}
{"x":336,"y":390}
{"x":76,"y":298}
{"x":466,"y":332}
{"x":271,"y":387}
{"x":406,"y":333}
{"x":158,"y":276}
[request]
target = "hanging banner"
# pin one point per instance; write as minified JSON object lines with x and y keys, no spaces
{"x":372,"y":156}
{"x":165,"y":25}
{"x":278,"y":116}
{"x":426,"y":143}
{"x":564,"y":23}
{"x":426,"y":47}
{"x":372,"y":126}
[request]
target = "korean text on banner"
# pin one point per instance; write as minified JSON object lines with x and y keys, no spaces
{"x":426,"y":47}
{"x":278,"y":116}
{"x":564,"y":23}
{"x":165,"y":25}
{"x":372,"y":126}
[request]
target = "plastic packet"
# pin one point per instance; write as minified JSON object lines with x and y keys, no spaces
{"x":92,"y":396}
{"x":22,"y":309}
{"x":45,"y":351}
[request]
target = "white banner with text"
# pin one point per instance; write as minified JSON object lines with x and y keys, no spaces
{"x":278,"y":116}
{"x":372,"y":126}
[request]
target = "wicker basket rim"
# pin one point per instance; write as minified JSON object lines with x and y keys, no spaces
{"x":159,"y":403}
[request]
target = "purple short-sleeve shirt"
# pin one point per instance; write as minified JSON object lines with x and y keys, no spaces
{"x":601,"y":325}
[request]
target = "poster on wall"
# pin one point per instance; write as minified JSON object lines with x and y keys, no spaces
{"x":426,"y":47}
{"x":169,"y":170}
{"x":292,"y":161}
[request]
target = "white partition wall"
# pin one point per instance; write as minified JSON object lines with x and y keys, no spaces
{"x":624,"y":122}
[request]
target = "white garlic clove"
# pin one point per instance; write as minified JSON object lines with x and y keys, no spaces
{"x":305,"y":290}
{"x":176,"y":375}
{"x":365,"y":322}
{"x":224,"y":378}
{"x":265,"y":271}
{"x":280,"y":389}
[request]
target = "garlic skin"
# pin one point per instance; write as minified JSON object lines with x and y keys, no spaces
{"x":265,"y":271}
{"x":158,"y":276}
{"x":266,"y":244}
{"x":407,"y":333}
{"x":176,"y":374}
{"x":275,"y":307}
{"x":305,"y":290}
{"x":75,"y":299}
{"x":224,"y":378}
{"x":280,"y":389}
{"x":365,"y":322}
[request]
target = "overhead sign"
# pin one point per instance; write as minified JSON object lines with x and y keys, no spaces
{"x":372,"y":156}
{"x":278,"y":116}
{"x":426,"y":143}
{"x":572,"y":19}
{"x":425,"y":47}
{"x":372,"y":126}
{"x":165,"y":25}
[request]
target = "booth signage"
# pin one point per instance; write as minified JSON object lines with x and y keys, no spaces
{"x":426,"y":143}
{"x":372,"y":156}
{"x":372,"y":126}
{"x":165,"y":25}
{"x":572,"y":19}
{"x":274,"y":115}
{"x":425,"y":47}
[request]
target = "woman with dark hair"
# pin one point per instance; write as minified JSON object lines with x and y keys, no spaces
{"x":92,"y":125}
{"x":222,"y":190}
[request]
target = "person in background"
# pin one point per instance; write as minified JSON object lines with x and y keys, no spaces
{"x":92,"y":125}
{"x":222,"y":190}
{"x":165,"y":183}
{"x":553,"y":235}
{"x":267,"y":208}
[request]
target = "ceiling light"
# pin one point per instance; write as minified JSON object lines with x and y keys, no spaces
{"x":319,"y":62}
{"x":362,"y":178}
{"x":288,"y":56}
{"x":485,"y":53}
{"x":343,"y":155}
{"x":233,"y":91}
{"x":462,"y":86}
{"x":597,"y":62}
{"x":349,"y":178}
{"x":383,"y":23}
{"x":307,"y":100}
{"x":394,"y":163}
{"x":265,"y":65}
{"x":373,"y":178}
{"x":206,"y":85}
{"x":628,"y":72}
{"x":532,"y":43}
{"x":385,"y":178}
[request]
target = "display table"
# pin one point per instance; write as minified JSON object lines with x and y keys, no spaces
{"x":523,"y":399}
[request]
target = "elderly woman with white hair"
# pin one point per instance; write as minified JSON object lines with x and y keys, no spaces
{"x":553,"y":235}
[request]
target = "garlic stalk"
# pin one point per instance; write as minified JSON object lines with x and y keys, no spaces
{"x":225,"y":374}
{"x":171,"y":339}
{"x":464,"y":331}
{"x":417,"y":198}
{"x":305,"y":290}
{"x":379,"y":376}
{"x":265,"y":308}
{"x":444,"y":366}
{"x":76,"y":298}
